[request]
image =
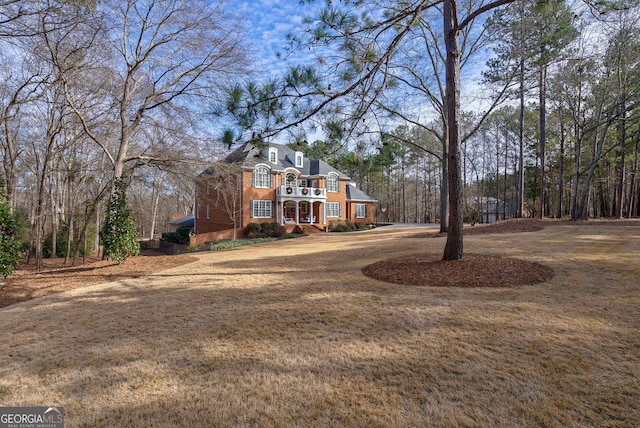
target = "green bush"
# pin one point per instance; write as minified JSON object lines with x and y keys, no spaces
{"x":118,"y":233}
{"x":180,"y":236}
{"x":340,"y":226}
{"x":61,"y":244}
{"x":266,"y":230}
{"x":254,"y":230}
{"x":362,"y":226}
{"x":9,"y":244}
{"x":273,"y":230}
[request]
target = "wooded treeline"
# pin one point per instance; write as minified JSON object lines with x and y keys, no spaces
{"x":552,"y":129}
{"x":94,"y":91}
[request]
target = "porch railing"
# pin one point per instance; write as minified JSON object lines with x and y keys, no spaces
{"x":302,"y":192}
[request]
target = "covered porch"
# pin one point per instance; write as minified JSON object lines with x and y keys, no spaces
{"x":301,"y":210}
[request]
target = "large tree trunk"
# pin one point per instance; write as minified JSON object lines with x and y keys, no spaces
{"x":632,"y":202}
{"x":599,"y":140}
{"x":620,"y":166}
{"x":561,"y":174}
{"x":521,"y":144}
{"x":444,"y":192}
{"x":543,"y":137}
{"x":453,"y":247}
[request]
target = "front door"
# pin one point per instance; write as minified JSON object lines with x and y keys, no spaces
{"x":290,"y":210}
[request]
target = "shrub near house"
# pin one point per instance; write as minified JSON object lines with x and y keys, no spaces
{"x":9,"y":244}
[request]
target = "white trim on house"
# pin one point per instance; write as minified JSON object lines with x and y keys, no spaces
{"x":273,"y":155}
{"x":264,"y":179}
{"x":333,"y":209}
{"x":262,"y":208}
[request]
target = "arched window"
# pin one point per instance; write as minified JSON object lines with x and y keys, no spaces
{"x":273,"y":155}
{"x":261,"y":177}
{"x":333,"y":184}
{"x":290,"y":179}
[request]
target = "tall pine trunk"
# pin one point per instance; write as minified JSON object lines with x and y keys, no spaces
{"x":453,"y":247}
{"x":521,"y":144}
{"x":543,"y":136}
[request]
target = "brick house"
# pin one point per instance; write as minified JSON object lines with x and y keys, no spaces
{"x":275,"y":184}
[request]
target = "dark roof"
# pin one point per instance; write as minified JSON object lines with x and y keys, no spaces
{"x":285,"y":160}
{"x":355,"y":194}
{"x":186,"y":221}
{"x":249,"y":156}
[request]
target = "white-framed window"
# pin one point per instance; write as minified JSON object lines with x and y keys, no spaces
{"x":333,"y":184}
{"x":208,"y":212}
{"x":262,"y":209}
{"x":291,"y":179}
{"x":261,"y":177}
{"x":333,"y":209}
{"x":273,"y":155}
{"x":361,"y":210}
{"x":303,"y":183}
{"x":299,"y":158}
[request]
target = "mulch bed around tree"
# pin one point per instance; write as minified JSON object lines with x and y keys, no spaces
{"x":474,"y":270}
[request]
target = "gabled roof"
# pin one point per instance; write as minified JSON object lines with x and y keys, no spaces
{"x":355,"y":194}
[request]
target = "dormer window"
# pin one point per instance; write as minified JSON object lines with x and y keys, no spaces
{"x":273,"y":155}
{"x":299,"y":158}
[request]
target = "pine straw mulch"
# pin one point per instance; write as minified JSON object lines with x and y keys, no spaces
{"x":26,"y":283}
{"x":475,"y":270}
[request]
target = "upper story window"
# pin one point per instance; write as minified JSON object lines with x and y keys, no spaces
{"x":291,"y":179}
{"x":273,"y":155}
{"x":299,"y":157}
{"x":261,"y":177}
{"x":333,"y":184}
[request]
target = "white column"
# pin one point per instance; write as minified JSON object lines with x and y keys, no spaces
{"x":281,"y":211}
{"x":324,"y":213}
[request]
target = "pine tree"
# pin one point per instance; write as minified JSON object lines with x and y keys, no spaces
{"x":9,"y":245}
{"x":118,"y":233}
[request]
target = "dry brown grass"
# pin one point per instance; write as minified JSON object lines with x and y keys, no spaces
{"x":27,"y":283}
{"x":292,"y":333}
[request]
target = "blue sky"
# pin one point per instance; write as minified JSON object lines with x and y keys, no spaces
{"x":270,"y":21}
